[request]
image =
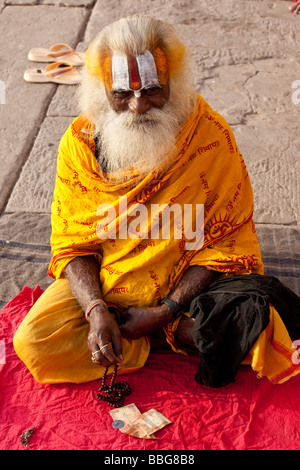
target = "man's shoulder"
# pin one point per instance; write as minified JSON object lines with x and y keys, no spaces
{"x":81,"y":127}
{"x":80,"y":130}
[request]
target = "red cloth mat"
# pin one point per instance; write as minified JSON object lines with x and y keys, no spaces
{"x":249,"y":414}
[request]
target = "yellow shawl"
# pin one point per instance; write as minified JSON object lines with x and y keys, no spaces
{"x":206,"y":168}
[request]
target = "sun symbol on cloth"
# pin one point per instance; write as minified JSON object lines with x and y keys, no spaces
{"x":218,"y":227}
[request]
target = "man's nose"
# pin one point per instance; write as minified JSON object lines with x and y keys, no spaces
{"x":139,"y":104}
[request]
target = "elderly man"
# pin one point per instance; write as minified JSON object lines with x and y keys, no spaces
{"x":145,"y":145}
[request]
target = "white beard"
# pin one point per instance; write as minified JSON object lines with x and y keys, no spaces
{"x":130,"y":140}
{"x":139,"y":141}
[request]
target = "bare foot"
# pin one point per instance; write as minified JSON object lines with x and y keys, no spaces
{"x":142,"y":321}
{"x":295,"y":8}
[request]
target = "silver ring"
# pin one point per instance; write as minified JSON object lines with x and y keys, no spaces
{"x":95,"y":352}
{"x":99,"y":350}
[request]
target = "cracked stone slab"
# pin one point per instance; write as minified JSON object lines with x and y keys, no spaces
{"x":30,"y":229}
{"x":276,"y":191}
{"x":24,"y":253}
{"x":273,"y":161}
{"x":210,"y":28}
{"x":270,"y":89}
{"x":26,"y":103}
{"x":33,"y":191}
{"x":64,"y":102}
{"x":223,"y":87}
{"x":262,"y":88}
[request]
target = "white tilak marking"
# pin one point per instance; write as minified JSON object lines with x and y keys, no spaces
{"x":120,"y":74}
{"x":147,"y":69}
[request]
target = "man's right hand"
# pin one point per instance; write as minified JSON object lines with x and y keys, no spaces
{"x":83,"y":275}
{"x":105,"y":335}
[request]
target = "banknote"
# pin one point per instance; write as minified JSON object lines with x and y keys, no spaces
{"x":129,"y":420}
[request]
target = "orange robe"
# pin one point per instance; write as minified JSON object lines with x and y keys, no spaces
{"x":205,"y":168}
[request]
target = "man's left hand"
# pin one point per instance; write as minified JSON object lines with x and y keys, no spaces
{"x":141,"y":321}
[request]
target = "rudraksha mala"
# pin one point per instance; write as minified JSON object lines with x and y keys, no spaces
{"x":113,"y":394}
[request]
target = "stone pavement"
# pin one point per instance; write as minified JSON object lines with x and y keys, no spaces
{"x":246,"y":60}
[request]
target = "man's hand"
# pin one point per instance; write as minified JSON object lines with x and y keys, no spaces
{"x":83,"y":276}
{"x":142,"y":321}
{"x":105,"y":335}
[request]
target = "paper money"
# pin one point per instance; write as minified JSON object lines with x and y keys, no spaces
{"x":129,"y":420}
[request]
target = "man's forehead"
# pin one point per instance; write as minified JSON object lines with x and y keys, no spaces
{"x":123,"y":72}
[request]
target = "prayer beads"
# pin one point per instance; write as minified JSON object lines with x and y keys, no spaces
{"x":113,"y":394}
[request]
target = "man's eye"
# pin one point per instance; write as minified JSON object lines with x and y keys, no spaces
{"x":151,"y":91}
{"x":122,"y":94}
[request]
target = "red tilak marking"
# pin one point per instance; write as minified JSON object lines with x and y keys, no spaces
{"x":134,"y":78}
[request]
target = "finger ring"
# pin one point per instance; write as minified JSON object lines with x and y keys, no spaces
{"x":95,"y":352}
{"x":99,"y":350}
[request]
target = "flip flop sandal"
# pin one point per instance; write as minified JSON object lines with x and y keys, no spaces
{"x":59,"y":72}
{"x":56,"y":53}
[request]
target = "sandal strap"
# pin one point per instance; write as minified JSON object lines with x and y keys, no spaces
{"x":59,"y":68}
{"x":59,"y":50}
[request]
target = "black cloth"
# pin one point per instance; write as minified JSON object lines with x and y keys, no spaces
{"x":102,"y":162}
{"x":230,"y":315}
